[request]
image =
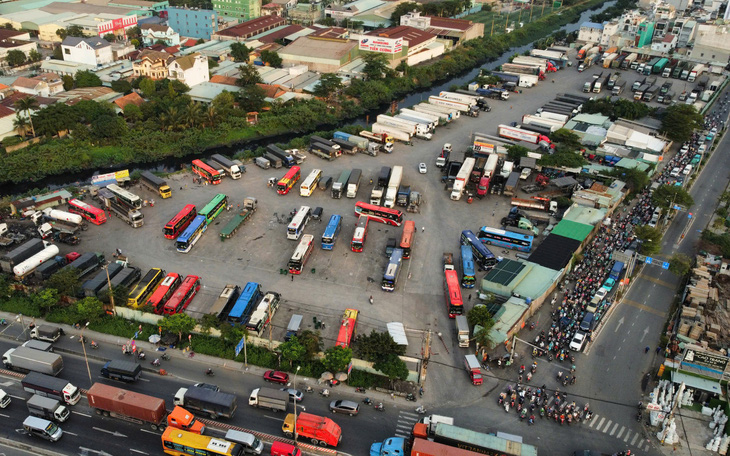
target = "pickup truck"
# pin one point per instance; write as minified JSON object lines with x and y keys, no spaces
{"x":46,"y":333}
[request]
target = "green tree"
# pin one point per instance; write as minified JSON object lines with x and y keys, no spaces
{"x":34,"y":55}
{"x":224,"y":103}
{"x":272,"y":58}
{"x":66,"y":282}
{"x":108,"y":127}
{"x":26,"y":105}
{"x":680,"y":121}
{"x":376,"y":346}
{"x":667,"y":195}
{"x":251,"y":98}
{"x":680,"y":264}
{"x":148,"y":87}
{"x":376,"y":65}
{"x":337,"y":358}
{"x":233,"y":334}
{"x":634,"y":178}
{"x":180,"y":323}
{"x":75,"y":30}
{"x":328,"y":21}
{"x":122,"y":86}
{"x":133,"y":32}
{"x":393,"y":367}
{"x":650,"y":238}
{"x":46,"y":299}
{"x":193,"y":114}
{"x":87,"y":79}
{"x":68,"y":82}
{"x":329,"y":86}
{"x":57,"y":53}
{"x":516,"y":152}
{"x":479,"y":315}
{"x":404,"y":8}
{"x":110,"y":37}
{"x":248,"y":75}
{"x":292,"y":350}
{"x":62,"y":33}
{"x":90,"y":309}
{"x":312,"y":342}
{"x":133,"y":113}
{"x":566,"y":140}
{"x":21,"y":124}
{"x":15,"y":58}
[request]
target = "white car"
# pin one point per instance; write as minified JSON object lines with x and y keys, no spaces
{"x":702,"y":149}
{"x":422,"y":168}
{"x":525,"y":173}
{"x":675,"y":172}
{"x":578,"y":340}
{"x":601,"y":293}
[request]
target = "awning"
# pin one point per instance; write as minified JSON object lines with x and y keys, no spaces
{"x":397,"y":332}
{"x":711,"y":386}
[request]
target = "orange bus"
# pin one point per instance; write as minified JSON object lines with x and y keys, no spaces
{"x":206,"y":172}
{"x":164,"y":292}
{"x":406,"y":240}
{"x":174,"y":228}
{"x":183,"y":295}
{"x":452,"y":293}
{"x":287,"y":182}
{"x":91,"y":213}
{"x":347,"y":329}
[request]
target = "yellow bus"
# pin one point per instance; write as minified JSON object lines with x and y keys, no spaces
{"x":144,"y":289}
{"x":310,"y":183}
{"x":182,"y":443}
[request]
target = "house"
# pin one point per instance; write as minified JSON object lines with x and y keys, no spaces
{"x":132,"y":98}
{"x":305,"y":13}
{"x":152,"y":64}
{"x":191,"y":69}
{"x":152,"y":33}
{"x":7,"y":127}
{"x":89,"y":51}
{"x":667,"y":43}
{"x":32,"y":86}
{"x":402,"y":42}
{"x":250,"y":28}
{"x":272,"y":9}
{"x":455,"y":30}
{"x":590,"y":32}
{"x":193,"y":23}
{"x":54,"y":81}
{"x":11,"y":40}
{"x":5,"y":91}
{"x":243,"y":10}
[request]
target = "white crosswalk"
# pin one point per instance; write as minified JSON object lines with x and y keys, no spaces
{"x":606,"y":426}
{"x":406,"y":420}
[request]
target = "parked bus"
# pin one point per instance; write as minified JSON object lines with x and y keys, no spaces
{"x":347,"y":328}
{"x":243,"y":307}
{"x":310,"y":183}
{"x":177,"y":224}
{"x":468,"y":278}
{"x":287,"y":182}
{"x":331,"y":232}
{"x":91,"y":213}
{"x":452,"y":292}
{"x":301,"y":253}
{"x":506,"y":239}
{"x":361,"y":233}
{"x":406,"y":239}
{"x":392,"y":270}
{"x":164,"y":292}
{"x":261,"y":317}
{"x":183,"y":443}
{"x":139,"y":294}
{"x":211,"y":175}
{"x":124,"y":197}
{"x":192,"y":233}
{"x":214,"y":208}
{"x":225,"y":301}
{"x":300,"y":220}
{"x":482,"y":255}
{"x":180,"y":300}
{"x":379,"y":213}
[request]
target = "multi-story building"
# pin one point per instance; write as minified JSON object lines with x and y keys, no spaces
{"x":193,"y":23}
{"x":667,"y":43}
{"x":11,"y":40}
{"x":590,"y":32}
{"x":645,"y":34}
{"x":152,"y":64}
{"x":191,"y":69}
{"x":711,"y":43}
{"x":152,"y":33}
{"x":685,"y":29}
{"x":305,"y":13}
{"x":243,"y":10}
{"x":89,"y":51}
{"x":250,"y":28}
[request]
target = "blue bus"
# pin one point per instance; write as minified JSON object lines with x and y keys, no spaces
{"x":392,"y":270}
{"x":192,"y":233}
{"x":468,"y":279}
{"x":506,"y":239}
{"x":482,"y":255}
{"x":331,"y":232}
{"x":245,"y":305}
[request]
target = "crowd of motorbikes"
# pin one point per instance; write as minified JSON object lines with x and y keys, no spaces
{"x":529,"y":402}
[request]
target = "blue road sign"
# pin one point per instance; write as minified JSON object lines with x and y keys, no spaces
{"x":677,"y":208}
{"x":239,"y":347}
{"x":665,"y":265}
{"x":648,"y":260}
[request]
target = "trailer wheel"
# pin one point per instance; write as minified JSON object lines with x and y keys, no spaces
{"x":315,"y":442}
{"x":322,"y":443}
{"x":288,"y":434}
{"x":213,"y":416}
{"x":99,"y":412}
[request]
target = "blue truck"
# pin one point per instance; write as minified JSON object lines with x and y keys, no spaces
{"x":393,"y":446}
{"x":616,"y":270}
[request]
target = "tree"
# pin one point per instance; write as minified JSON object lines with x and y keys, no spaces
{"x":240,"y":52}
{"x":65,"y":281}
{"x":329,"y":85}
{"x":46,"y":299}
{"x":248,"y":75}
{"x":110,"y":37}
{"x":680,"y":121}
{"x":148,"y":87}
{"x":650,"y":238}
{"x":328,"y":21}
{"x":376,"y":65}
{"x":180,"y":323}
{"x":337,"y":358}
{"x":481,"y":316}
{"x":90,"y":309}
{"x":27,"y":105}
{"x":193,"y":114}
{"x":516,"y":152}
{"x":75,"y":30}
{"x":566,"y":140}
{"x":292,"y":350}
{"x":62,"y":33}
{"x":57,"y":53}
{"x":393,"y":367}
{"x":251,"y":98}
{"x":223,"y":103}
{"x":122,"y":86}
{"x":68,"y":82}
{"x":108,"y":127}
{"x":679,"y":264}
{"x":87,"y":79}
{"x":34,"y":55}
{"x":161,"y":42}
{"x":667,"y":195}
{"x":377,"y":346}
{"x":272,"y":58}
{"x":133,"y":113}
{"x":634,"y":178}
{"x":312,"y":342}
{"x":21,"y":125}
{"x":15,"y":58}
{"x":133,"y":32}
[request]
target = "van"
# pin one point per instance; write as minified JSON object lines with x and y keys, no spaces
{"x":250,"y":443}
{"x":284,"y":449}
{"x":522,"y":256}
{"x":4,"y":399}
{"x":317,"y":213}
{"x":261,"y":162}
{"x":292,"y":329}
{"x":42,"y":428}
{"x":589,"y":320}
{"x":325,"y":183}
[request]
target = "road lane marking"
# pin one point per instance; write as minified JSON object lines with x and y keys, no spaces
{"x":601,"y":423}
{"x":620,"y":433}
{"x":4,"y":415}
{"x":137,"y":451}
{"x":641,"y":306}
{"x":634,"y":439}
{"x":628,"y":434}
{"x":149,"y":432}
{"x":82,"y":414}
{"x":613,"y":431}
{"x":273,"y":418}
{"x":656,"y":281}
{"x":70,"y":433}
{"x":608,"y":425}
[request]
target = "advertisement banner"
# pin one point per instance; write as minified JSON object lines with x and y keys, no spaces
{"x":484,"y":147}
{"x":379,"y":44}
{"x":105,"y":179}
{"x":520,"y":135}
{"x":122,"y":175}
{"x":705,"y":361}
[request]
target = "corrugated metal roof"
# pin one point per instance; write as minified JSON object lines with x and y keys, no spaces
{"x":572,"y":230}
{"x":398,"y":332}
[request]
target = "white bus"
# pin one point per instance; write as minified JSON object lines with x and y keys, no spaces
{"x":124,"y":197}
{"x":296,"y":227}
{"x":310,"y":183}
{"x":301,"y":253}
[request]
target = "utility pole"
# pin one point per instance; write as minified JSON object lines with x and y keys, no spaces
{"x":268,"y":315}
{"x":109,"y":282}
{"x":426,"y":357}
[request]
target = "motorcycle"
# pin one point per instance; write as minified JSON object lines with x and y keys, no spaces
{"x":411,"y":397}
{"x":141,"y":355}
{"x":155,"y":362}
{"x":638,"y":416}
{"x":367,"y":401}
{"x":309,"y":389}
{"x":209,"y":372}
{"x":380,"y":407}
{"x":533,"y":369}
{"x":359,"y":389}
{"x":3,"y":322}
{"x":165,"y":356}
{"x":421,"y":410}
{"x":94,"y":345}
{"x":126,"y":350}
{"x":325,"y":392}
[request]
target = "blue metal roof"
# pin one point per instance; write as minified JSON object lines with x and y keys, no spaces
{"x":594,"y":25}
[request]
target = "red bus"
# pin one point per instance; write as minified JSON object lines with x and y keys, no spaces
{"x":206,"y":172}
{"x":406,"y":240}
{"x":174,"y":228}
{"x":164,"y":292}
{"x":287,"y":182}
{"x":91,"y":213}
{"x":361,"y":233}
{"x":183,"y":295}
{"x":379,"y":213}
{"x":347,"y":329}
{"x":452,"y":292}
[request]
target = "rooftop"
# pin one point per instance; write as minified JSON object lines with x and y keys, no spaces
{"x":412,"y":35}
{"x":132,"y":98}
{"x":95,"y":43}
{"x":5,"y":111}
{"x":71,"y":97}
{"x":252,"y":27}
{"x":227,"y":80}
{"x":594,"y":25}
{"x":9,"y":34}
{"x":449,"y":23}
{"x":306,"y":46}
{"x":554,"y":252}
{"x":330,"y":32}
{"x":572,"y":230}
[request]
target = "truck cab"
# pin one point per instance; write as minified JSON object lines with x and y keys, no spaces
{"x":182,"y":419}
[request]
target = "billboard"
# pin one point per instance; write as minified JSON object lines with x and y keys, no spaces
{"x":480,"y":145}
{"x":705,"y":361}
{"x":380,"y":44}
{"x":120,"y":23}
{"x":518,"y":134}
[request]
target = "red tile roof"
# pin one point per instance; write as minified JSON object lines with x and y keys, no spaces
{"x":189,"y":43}
{"x":253,"y":27}
{"x":5,"y":112}
{"x":132,"y":98}
{"x":411,"y":35}
{"x":272,"y":91}
{"x":286,"y":31}
{"x":220,"y":79}
{"x":448,"y":23}
{"x":331,"y":32}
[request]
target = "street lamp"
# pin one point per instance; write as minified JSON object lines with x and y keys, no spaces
{"x":20,"y":320}
{"x":295,"y":405}
{"x":83,"y":346}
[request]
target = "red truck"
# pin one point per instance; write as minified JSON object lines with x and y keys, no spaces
{"x":140,"y":408}
{"x":321,"y":431}
{"x":471,"y":363}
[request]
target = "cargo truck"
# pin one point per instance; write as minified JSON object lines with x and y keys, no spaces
{"x":618,"y":88}
{"x":383,"y":139}
{"x":126,"y":277}
{"x":537,"y":204}
{"x":425,"y":108}
{"x":582,"y":51}
{"x":519,"y":134}
{"x":462,"y":330}
{"x":268,"y":398}
{"x":215,"y":404}
{"x":86,"y":263}
{"x":353,"y":183}
{"x":47,"y":408}
{"x":274,"y":161}
{"x":470,"y":100}
{"x":686,"y":71}
{"x":21,"y":253}
{"x":431,"y":119}
{"x":648,"y":68}
{"x":482,"y":102}
{"x":587,"y":62}
{"x":27,"y":267}
{"x":125,"y":371}
{"x":631,"y":58}
{"x":232,"y":169}
{"x":394,"y":446}
{"x":677,"y":71}
{"x":361,"y":142}
{"x":471,"y":111}
{"x":660,"y":66}
{"x":38,"y":345}
{"x":615,"y":273}
{"x":649,"y":93}
{"x":425,"y":125}
{"x":140,"y":408}
{"x":323,"y":151}
{"x":339,"y":186}
{"x":493,"y":92}
{"x":249,"y":207}
{"x":326,"y":142}
{"x":404,"y":192}
{"x":132,"y":217}
{"x":155,"y":184}
{"x":394,"y":133}
{"x":262,"y":162}
{"x":522,"y":68}
{"x":286,"y":159}
{"x":320,"y":431}
{"x":52,"y":387}
{"x":346,"y":146}
{"x":542,"y":63}
{"x":462,"y":178}
{"x":391,"y":193}
{"x":24,"y":359}
{"x":92,"y":287}
{"x":477,"y":442}
{"x":471,"y":363}
{"x":412,"y":128}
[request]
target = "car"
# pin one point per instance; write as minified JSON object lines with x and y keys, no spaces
{"x":208,"y":386}
{"x":601,"y":293}
{"x":702,"y":148}
{"x":675,"y":172}
{"x":578,"y":340}
{"x":276,"y":377}
{"x":422,"y":168}
{"x":294,"y":394}
{"x":341,"y":406}
{"x":525,"y":173}
{"x":687,"y":170}
{"x":608,"y":284}
{"x":653,"y":222}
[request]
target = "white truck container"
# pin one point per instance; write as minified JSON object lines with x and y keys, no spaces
{"x":423,"y":109}
{"x":696,"y":72}
{"x":63,"y":216}
{"x":462,"y":178}
{"x":410,"y":127}
{"x":463,"y":98}
{"x":431,"y":119}
{"x":395,"y":133}
{"x":491,"y":167}
{"x":451,"y":104}
{"x":554,"y":116}
{"x":534,"y":61}
{"x":427,"y":126}
{"x":542,"y":122}
{"x":432,"y":420}
{"x":428,"y":107}
{"x":4,"y":399}
{"x":552,"y":55}
{"x":392,"y":192}
{"x":462,"y":330}
{"x":29,"y":265}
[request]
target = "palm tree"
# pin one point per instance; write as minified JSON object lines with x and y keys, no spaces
{"x":193,"y":114}
{"x":211,"y":116}
{"x":21,"y":124}
{"x":170,"y":119}
{"x":27,"y":105}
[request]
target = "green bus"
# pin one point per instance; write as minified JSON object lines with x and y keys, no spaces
{"x":215,"y":207}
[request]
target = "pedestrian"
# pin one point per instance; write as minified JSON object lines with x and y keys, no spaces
{"x":658,"y":350}
{"x":423,"y":228}
{"x":292,"y":277}
{"x":469,"y":297}
{"x":492,"y":213}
